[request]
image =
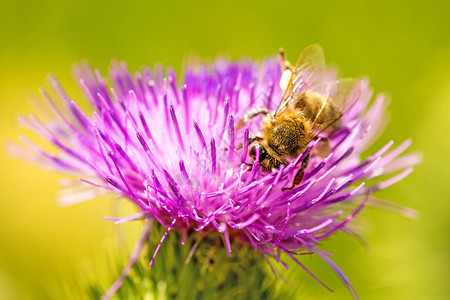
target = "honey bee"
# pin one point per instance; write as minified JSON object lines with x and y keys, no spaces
{"x":311,"y":104}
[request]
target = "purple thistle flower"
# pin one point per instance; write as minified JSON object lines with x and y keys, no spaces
{"x":173,"y":149}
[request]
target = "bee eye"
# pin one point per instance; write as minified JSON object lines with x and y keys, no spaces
{"x":252,"y":152}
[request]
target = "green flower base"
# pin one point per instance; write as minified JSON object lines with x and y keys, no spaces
{"x":207,"y":273}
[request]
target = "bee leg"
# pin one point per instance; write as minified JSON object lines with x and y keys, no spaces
{"x":250,"y":115}
{"x":285,"y":64}
{"x":300,"y":173}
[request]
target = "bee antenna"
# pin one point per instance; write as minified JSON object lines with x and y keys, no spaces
{"x":285,"y":64}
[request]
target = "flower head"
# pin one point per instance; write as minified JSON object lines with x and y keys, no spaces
{"x":173,"y":148}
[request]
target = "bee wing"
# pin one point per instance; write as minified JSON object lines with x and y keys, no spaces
{"x":344,"y":93}
{"x":309,"y":71}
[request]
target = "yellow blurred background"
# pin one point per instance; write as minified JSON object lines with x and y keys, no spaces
{"x":403,"y":46}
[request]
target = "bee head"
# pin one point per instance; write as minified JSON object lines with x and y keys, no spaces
{"x":262,"y":152}
{"x":265,"y":160}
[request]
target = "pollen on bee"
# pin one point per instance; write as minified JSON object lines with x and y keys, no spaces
{"x":285,"y":78}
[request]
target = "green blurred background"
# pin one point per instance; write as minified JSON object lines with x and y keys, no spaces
{"x":404,"y":47}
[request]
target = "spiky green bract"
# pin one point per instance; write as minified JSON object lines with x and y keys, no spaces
{"x":210,"y":273}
